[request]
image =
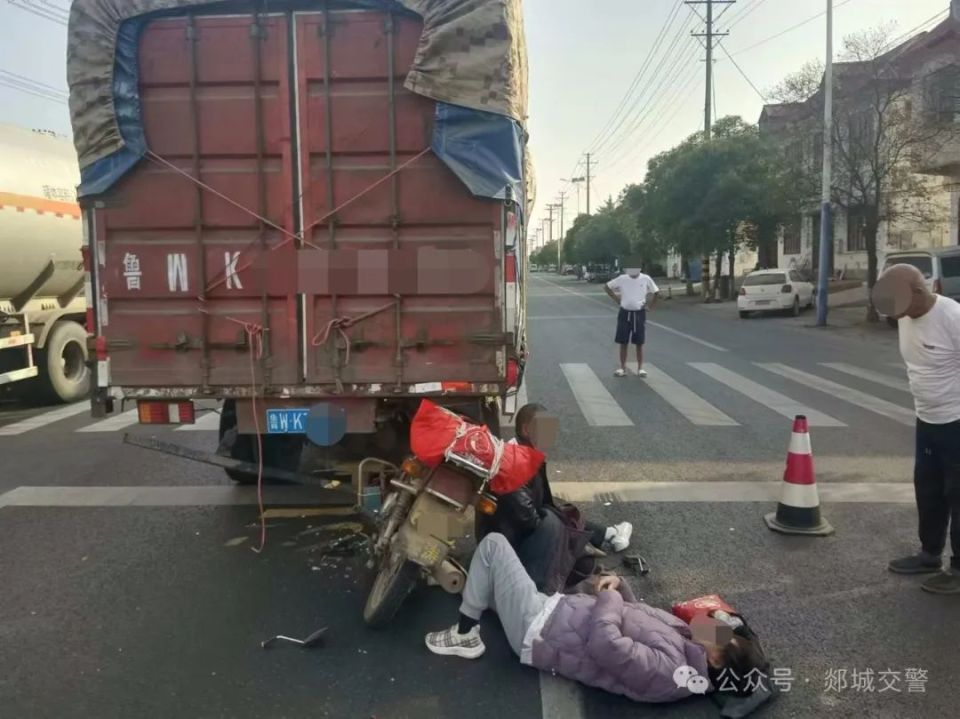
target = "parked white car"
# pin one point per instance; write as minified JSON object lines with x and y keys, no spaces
{"x":774,"y":291}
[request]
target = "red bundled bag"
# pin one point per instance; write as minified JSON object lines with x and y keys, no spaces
{"x":436,"y":431}
{"x":701,"y":605}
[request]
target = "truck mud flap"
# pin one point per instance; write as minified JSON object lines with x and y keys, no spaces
{"x":336,"y":494}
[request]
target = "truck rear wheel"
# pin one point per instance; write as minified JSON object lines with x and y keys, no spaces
{"x":235,"y":446}
{"x":279,"y":451}
{"x":63,"y":363}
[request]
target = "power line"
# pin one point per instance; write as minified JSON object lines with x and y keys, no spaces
{"x":30,"y":80}
{"x":747,"y":12}
{"x":909,"y":33}
{"x":44,"y":13}
{"x":742,"y":73}
{"x":668,"y":62}
{"x":664,"y":31}
{"x":31,"y":91}
{"x":653,"y":104}
{"x":791,"y":28}
{"x":597,"y":148}
{"x":679,"y":90}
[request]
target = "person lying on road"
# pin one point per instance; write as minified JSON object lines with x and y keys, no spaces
{"x":528,"y":515}
{"x":600,"y":639}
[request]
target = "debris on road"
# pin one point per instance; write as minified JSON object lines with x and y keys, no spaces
{"x":307,"y":643}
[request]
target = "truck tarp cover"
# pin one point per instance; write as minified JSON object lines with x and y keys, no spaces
{"x":471,"y":59}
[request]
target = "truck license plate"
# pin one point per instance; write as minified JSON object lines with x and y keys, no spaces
{"x":287,"y":421}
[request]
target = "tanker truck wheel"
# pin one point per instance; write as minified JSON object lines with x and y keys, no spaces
{"x":63,"y":363}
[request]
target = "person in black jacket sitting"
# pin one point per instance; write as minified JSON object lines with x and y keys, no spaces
{"x":524,"y":516}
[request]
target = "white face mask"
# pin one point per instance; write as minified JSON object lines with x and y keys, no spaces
{"x":633,"y":272}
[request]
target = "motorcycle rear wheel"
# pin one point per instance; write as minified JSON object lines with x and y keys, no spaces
{"x":396,"y":578}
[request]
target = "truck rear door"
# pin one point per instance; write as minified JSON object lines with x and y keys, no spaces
{"x":290,"y":216}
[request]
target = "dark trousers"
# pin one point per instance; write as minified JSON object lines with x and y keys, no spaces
{"x":598,"y":533}
{"x":936,"y":478}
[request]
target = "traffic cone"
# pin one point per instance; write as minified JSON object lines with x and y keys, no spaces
{"x":798,"y":511}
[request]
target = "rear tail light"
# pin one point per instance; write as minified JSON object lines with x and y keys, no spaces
{"x":786,"y":289}
{"x":487,"y":504}
{"x":937,"y":287}
{"x":160,"y":412}
{"x":743,"y":290}
{"x":412,"y":467}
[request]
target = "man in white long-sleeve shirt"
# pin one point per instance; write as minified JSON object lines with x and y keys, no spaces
{"x":929,"y":326}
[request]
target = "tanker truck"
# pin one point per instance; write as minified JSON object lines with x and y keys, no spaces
{"x":43,"y":341}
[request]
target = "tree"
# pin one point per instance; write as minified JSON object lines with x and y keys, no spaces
{"x":546,"y":255}
{"x":703,"y":199}
{"x":799,"y":86}
{"x":878,"y":139}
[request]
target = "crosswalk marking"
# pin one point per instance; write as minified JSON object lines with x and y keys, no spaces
{"x":877,"y":377}
{"x":861,"y":399}
{"x":781,"y":404}
{"x":689,"y":404}
{"x":207,"y":423}
{"x":41,"y":420}
{"x":599,"y":407}
{"x":112,"y":424}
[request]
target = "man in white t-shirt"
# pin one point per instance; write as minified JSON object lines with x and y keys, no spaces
{"x":929,"y":326}
{"x":630,"y":291}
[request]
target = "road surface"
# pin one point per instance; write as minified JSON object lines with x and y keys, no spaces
{"x":123,"y":600}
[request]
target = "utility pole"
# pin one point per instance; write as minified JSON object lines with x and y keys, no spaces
{"x":826,"y":210}
{"x":588,"y":183}
{"x":552,"y":208}
{"x":560,"y":238}
{"x":709,"y":35}
{"x":563,"y":197}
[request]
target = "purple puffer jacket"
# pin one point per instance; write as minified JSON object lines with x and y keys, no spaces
{"x":624,"y":648}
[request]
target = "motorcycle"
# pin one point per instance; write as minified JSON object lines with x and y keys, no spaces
{"x":427,"y":519}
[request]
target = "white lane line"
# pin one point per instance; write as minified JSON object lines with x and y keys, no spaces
{"x":613,"y":310}
{"x":861,"y":399}
{"x":708,"y":492}
{"x":210,"y":422}
{"x":781,"y":404}
{"x":699,"y":341}
{"x":877,"y":377}
{"x":569,"y":317}
{"x":560,"y":698}
{"x":112,"y":424}
{"x":41,"y":420}
{"x":685,"y":401}
{"x":599,"y":407}
{"x":155,"y":496}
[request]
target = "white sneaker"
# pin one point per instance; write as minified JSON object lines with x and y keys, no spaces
{"x":620,"y":373}
{"x":451,"y":643}
{"x":621,"y":536}
{"x":641,"y":373}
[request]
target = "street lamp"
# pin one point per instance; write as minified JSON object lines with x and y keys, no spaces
{"x":826,"y":214}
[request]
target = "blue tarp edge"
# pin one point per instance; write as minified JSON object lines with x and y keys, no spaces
{"x":100,"y":176}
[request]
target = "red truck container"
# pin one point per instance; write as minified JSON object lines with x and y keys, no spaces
{"x":288,"y":234}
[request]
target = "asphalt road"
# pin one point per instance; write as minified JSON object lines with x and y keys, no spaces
{"x":119,"y":604}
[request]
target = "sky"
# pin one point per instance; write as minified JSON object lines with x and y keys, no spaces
{"x":583,"y":58}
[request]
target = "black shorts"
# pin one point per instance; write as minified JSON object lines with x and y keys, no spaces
{"x":631,"y":326}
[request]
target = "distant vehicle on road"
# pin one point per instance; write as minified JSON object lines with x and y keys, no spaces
{"x":774,"y":291}
{"x":940,"y":268}
{"x":43,"y":340}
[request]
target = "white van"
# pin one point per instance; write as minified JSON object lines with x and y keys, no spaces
{"x":940,"y":268}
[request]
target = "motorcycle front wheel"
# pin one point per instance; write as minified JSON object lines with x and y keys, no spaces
{"x":396,"y":578}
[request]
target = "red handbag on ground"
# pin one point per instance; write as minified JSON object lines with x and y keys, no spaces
{"x":701,"y":605}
